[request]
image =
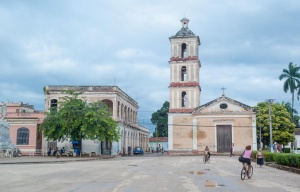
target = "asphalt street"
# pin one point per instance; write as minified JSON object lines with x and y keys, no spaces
{"x":150,"y":172}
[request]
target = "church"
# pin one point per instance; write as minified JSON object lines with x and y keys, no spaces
{"x":219,"y":124}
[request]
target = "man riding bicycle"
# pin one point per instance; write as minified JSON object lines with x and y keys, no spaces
{"x":206,"y":150}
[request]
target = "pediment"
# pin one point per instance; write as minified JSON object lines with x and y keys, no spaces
{"x":223,"y":105}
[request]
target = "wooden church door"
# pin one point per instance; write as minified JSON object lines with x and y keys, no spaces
{"x":224,"y":138}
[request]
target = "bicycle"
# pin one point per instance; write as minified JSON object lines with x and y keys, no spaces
{"x":244,"y":171}
{"x":206,"y":158}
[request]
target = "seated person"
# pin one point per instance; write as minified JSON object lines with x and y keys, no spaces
{"x":62,"y":150}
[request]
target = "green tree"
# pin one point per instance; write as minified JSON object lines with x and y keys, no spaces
{"x":77,"y":120}
{"x":292,"y":82}
{"x":282,"y":126}
{"x":160,"y":120}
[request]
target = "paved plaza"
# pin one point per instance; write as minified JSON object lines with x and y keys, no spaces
{"x":150,"y":172}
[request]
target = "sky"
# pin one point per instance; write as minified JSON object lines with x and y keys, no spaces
{"x":245,"y":45}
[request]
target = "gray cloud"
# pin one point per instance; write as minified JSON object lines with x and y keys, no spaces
{"x":244,"y":47}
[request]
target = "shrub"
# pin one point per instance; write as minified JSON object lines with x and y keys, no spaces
{"x":281,"y":158}
{"x":268,"y":156}
{"x":286,"y":150}
{"x":291,"y":160}
{"x":254,"y":154}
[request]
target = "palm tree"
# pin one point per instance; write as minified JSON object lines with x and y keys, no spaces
{"x":292,"y":81}
{"x":291,"y":111}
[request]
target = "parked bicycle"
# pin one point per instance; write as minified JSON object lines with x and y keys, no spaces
{"x":244,"y":171}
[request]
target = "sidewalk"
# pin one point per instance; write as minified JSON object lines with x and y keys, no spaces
{"x":48,"y":159}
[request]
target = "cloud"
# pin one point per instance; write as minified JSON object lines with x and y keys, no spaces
{"x":244,"y":47}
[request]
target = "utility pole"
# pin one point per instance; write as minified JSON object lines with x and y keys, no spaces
{"x":156,"y":138}
{"x":260,"y":142}
{"x":270,"y":101}
{"x":124,"y":133}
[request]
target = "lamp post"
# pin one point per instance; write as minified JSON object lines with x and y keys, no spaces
{"x":270,"y":101}
{"x":259,"y":118}
{"x":156,"y":131}
{"x":124,"y":133}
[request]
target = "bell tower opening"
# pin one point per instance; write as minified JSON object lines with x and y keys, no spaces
{"x":183,"y":99}
{"x":183,"y":73}
{"x":183,"y":50}
{"x":184,"y":22}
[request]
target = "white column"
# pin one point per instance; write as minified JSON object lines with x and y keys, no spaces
{"x":178,"y":74}
{"x":178,"y":99}
{"x":177,"y":50}
{"x":189,"y":73}
{"x":172,"y":73}
{"x":195,"y":72}
{"x":195,"y":99}
{"x":195,"y":134}
{"x":194,"y":49}
{"x":170,"y":131}
{"x":172,"y":99}
{"x":189,"y":99}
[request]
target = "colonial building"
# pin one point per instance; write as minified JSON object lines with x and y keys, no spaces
{"x":218,"y":124}
{"x":123,"y":108}
{"x":24,"y":122}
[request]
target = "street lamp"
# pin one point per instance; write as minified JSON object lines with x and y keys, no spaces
{"x":156,"y":139}
{"x":259,"y":118}
{"x":270,"y":101}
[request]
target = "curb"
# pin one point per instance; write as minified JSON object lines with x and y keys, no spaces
{"x":56,"y":160}
{"x":284,"y":168}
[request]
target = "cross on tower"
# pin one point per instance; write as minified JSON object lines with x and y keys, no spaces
{"x":223,"y":88}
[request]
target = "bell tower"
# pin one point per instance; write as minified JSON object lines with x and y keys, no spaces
{"x":184,"y":70}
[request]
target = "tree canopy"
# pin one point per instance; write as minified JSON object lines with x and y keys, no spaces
{"x":160,"y":120}
{"x":282,"y":126}
{"x":77,"y":120}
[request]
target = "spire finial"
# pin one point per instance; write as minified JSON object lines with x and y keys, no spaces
{"x":223,"y":88}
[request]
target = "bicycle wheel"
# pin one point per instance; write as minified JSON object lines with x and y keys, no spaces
{"x":243,"y":173}
{"x":204,"y":159}
{"x":208,"y":159}
{"x":251,"y":171}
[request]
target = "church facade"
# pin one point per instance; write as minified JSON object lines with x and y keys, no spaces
{"x":220,"y":124}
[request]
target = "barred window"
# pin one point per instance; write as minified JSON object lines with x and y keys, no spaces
{"x":23,"y":136}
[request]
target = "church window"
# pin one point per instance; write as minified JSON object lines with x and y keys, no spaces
{"x":183,"y":50}
{"x":183,"y":73}
{"x":223,"y":106}
{"x":183,"y":99}
{"x":23,"y":136}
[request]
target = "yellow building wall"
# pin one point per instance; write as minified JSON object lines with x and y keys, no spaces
{"x":182,"y":132}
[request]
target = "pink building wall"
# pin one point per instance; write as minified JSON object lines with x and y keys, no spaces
{"x":20,"y":115}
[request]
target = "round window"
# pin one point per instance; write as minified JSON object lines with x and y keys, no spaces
{"x":223,"y":106}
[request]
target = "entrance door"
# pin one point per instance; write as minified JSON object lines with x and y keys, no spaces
{"x":224,"y":139}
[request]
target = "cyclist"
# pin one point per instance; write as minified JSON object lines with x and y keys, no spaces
{"x":206,"y":150}
{"x":247,"y":158}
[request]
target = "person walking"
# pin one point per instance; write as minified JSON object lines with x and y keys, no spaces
{"x":231,"y":150}
{"x":260,"y":158}
{"x":129,"y":150}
